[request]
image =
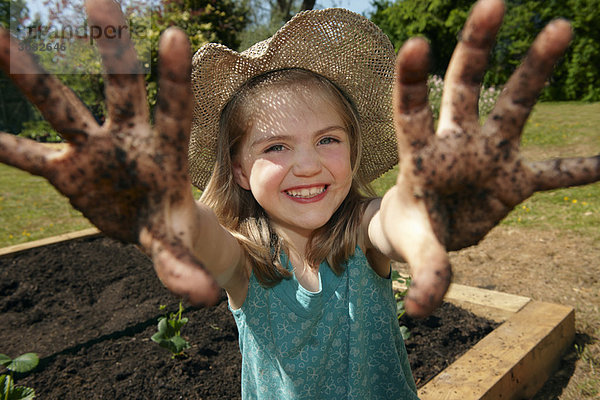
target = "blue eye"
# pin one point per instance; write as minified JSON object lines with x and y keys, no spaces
{"x":275,"y":147}
{"x":328,"y":140}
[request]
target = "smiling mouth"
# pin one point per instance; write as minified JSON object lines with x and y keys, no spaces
{"x":306,"y":193}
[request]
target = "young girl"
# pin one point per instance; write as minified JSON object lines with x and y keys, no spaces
{"x":311,"y":293}
{"x":305,"y":299}
{"x":286,"y":225}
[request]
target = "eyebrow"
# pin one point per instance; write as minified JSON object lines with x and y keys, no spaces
{"x":275,"y":138}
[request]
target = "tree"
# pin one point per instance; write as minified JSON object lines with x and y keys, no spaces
{"x":15,"y":109}
{"x":285,"y":7}
{"x":218,"y":21}
{"x":577,"y":76}
{"x":13,"y":12}
{"x":79,"y":66}
{"x":439,"y":21}
{"x":266,"y":17}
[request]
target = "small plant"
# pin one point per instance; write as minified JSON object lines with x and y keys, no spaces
{"x":400,"y":295}
{"x":169,"y":332}
{"x":23,"y":363}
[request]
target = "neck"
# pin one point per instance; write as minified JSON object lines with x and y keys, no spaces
{"x":295,"y":239}
{"x":306,"y":274}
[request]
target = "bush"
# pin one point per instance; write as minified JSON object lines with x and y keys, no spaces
{"x":40,"y":131}
{"x":576,"y":76}
{"x":487,"y":97}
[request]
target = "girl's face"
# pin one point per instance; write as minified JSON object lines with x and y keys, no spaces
{"x":295,"y":159}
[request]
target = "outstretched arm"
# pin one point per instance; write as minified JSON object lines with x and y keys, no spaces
{"x":457,"y":182}
{"x":128,"y":178}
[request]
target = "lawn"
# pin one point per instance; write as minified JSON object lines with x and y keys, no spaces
{"x":31,"y":209}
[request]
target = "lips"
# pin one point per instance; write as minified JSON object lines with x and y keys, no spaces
{"x":306,"y":192}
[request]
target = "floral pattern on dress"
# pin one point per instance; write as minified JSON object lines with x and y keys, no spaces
{"x":343,"y":341}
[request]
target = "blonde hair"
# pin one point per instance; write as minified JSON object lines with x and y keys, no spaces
{"x":240,"y":213}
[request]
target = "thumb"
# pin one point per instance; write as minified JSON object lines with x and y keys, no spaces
{"x":179,"y":271}
{"x":416,"y":242}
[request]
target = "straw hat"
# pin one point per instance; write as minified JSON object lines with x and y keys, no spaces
{"x":338,"y":44}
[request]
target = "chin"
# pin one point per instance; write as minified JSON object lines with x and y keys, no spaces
{"x":315,"y":224}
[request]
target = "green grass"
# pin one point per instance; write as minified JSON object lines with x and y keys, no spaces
{"x":385,"y":181}
{"x":564,"y":125}
{"x":31,"y":209}
{"x":576,"y":209}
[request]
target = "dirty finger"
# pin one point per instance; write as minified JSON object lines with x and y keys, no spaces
{"x":565,"y":172}
{"x":57,"y":103}
{"x":465,"y":72}
{"x":412,"y":114}
{"x":124,"y":84}
{"x":520,"y":92}
{"x":174,"y":102}
{"x":27,"y":155}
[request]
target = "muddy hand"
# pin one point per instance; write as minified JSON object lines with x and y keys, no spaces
{"x":457,"y":183}
{"x":130,"y":179}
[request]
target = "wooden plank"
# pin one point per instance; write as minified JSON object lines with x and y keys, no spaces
{"x":491,"y":304}
{"x":50,"y":240}
{"x":513,"y":361}
{"x":509,"y":302}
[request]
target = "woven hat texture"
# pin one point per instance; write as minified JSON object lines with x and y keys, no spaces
{"x":342,"y":46}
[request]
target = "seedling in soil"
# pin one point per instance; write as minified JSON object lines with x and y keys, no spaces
{"x":400,"y":295}
{"x":23,"y":363}
{"x":169,"y":332}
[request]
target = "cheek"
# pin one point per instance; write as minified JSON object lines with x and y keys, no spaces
{"x":338,"y":161}
{"x":265,"y":177}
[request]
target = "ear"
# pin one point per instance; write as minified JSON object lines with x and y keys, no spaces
{"x":239,"y":176}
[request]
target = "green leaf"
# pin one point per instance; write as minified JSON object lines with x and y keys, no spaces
{"x":24,"y":363}
{"x":6,"y":385}
{"x":158,"y":337}
{"x":4,"y":359}
{"x":179,"y":344}
{"x":400,"y":307}
{"x":405,"y":332}
{"x":177,"y":325}
{"x":168,"y":344}
{"x":22,"y":393}
{"x":163,"y":326}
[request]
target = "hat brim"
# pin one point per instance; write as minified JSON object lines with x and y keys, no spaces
{"x":342,"y":46}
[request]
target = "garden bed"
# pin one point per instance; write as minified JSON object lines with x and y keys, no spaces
{"x":88,"y":307}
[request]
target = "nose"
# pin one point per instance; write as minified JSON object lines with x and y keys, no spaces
{"x":307,"y":162}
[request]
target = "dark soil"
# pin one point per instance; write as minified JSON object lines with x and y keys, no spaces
{"x":89,"y":307}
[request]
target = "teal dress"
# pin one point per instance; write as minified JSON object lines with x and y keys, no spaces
{"x":342,"y":342}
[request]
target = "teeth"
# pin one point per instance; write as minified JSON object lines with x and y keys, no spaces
{"x":306,"y":192}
